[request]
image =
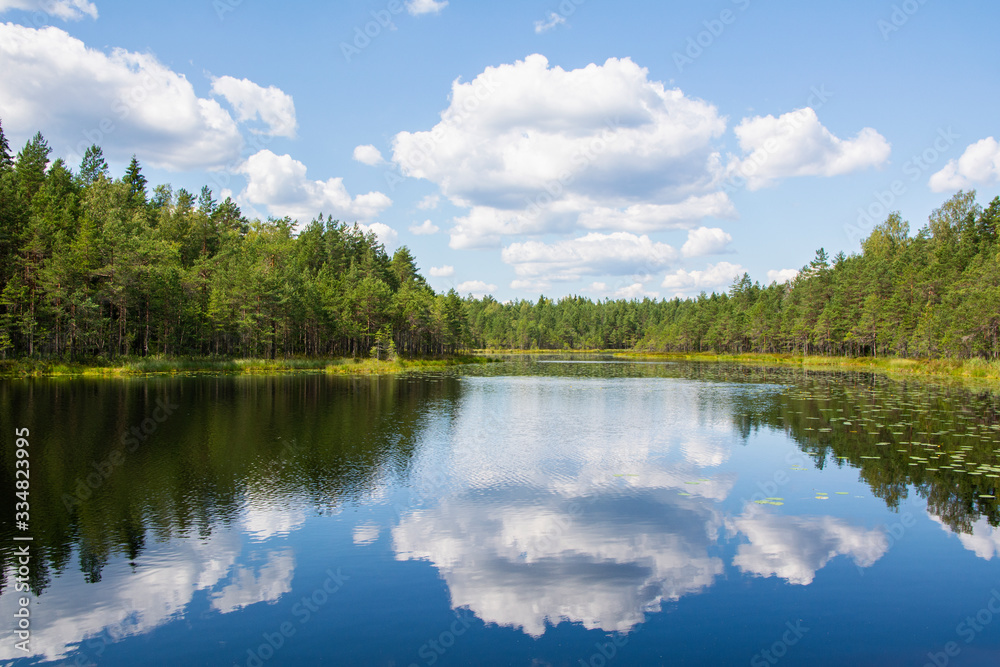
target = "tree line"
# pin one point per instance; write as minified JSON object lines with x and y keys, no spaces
{"x":933,"y":294}
{"x":93,"y":266}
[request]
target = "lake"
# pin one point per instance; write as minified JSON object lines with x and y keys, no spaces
{"x":540,"y":511}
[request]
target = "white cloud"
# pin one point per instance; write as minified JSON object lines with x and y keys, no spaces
{"x":620,"y":253}
{"x":126,"y":102}
{"x":705,"y":241}
{"x":252,"y":102}
{"x":530,"y":285}
{"x":643,"y":218}
{"x":635,"y":291}
{"x":533,"y":149}
{"x":797,"y":144}
{"x":248,"y":587}
{"x":714,"y":277}
{"x":550,"y":23}
{"x":982,"y":538}
{"x":418,"y":7}
{"x":794,"y":548}
{"x":129,"y":602}
{"x":369,"y":155}
{"x":445,"y":271}
{"x":366,"y":533}
{"x":279,"y":182}
{"x":476,"y":288}
{"x":387,"y":236}
{"x":429,"y":202}
{"x":978,"y":165}
{"x":262,"y":520}
{"x":425,"y":228}
{"x":67,"y":10}
{"x":781,"y":275}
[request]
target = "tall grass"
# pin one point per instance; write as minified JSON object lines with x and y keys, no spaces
{"x":957,"y":368}
{"x":174,"y":366}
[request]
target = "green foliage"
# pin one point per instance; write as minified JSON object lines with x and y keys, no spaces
{"x":94,"y":267}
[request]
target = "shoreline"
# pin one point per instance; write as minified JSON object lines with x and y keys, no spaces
{"x":30,"y":368}
{"x":959,"y":369}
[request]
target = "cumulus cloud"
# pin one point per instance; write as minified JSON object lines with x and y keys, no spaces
{"x":714,"y":277}
{"x":270,"y":105}
{"x":531,"y":149}
{"x":262,"y":521}
{"x":279,"y":182}
{"x":644,"y":218}
{"x":127,"y":102}
{"x":429,"y":202}
{"x":67,"y":10}
{"x":634,"y":291}
{"x":549,"y":531}
{"x":248,"y":586}
{"x":445,"y":271}
{"x":797,"y":144}
{"x":418,"y":7}
{"x":781,"y":275}
{"x":129,"y":602}
{"x":386,"y":235}
{"x":794,"y":548}
{"x":522,"y":559}
{"x":476,"y":288}
{"x":982,"y":538}
{"x":978,"y":165}
{"x":425,"y":228}
{"x":619,"y":253}
{"x":705,"y":241}
{"x":369,"y":155}
{"x":551,"y":22}
{"x":530,"y":285}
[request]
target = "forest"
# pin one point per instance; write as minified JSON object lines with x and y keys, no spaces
{"x":98,"y":267}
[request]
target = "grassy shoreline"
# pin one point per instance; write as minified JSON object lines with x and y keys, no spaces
{"x":971,"y":369}
{"x":975,"y":369}
{"x":32,"y":368}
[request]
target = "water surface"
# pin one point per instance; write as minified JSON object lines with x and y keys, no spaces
{"x":527,"y":513}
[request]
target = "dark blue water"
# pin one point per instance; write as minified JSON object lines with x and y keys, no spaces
{"x":526,"y":513}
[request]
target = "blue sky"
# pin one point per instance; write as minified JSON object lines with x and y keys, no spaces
{"x":577,"y":147}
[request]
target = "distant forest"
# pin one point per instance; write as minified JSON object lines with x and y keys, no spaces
{"x":93,"y":266}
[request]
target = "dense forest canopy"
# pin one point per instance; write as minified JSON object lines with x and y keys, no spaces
{"x":97,"y":266}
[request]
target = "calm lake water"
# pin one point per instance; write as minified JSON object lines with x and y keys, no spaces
{"x":536,"y":512}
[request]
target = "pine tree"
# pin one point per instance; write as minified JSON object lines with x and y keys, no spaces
{"x":93,"y":166}
{"x":136,"y":183}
